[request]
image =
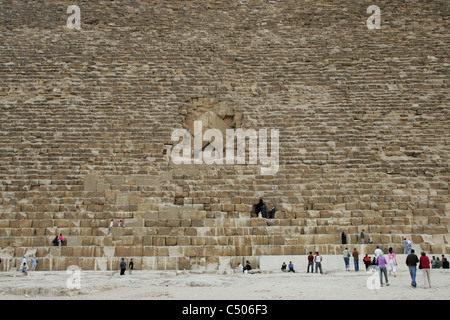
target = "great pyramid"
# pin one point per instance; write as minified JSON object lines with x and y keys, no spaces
{"x":88,"y":116}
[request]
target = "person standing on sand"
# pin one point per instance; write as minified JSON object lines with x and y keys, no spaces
{"x":131,"y":265}
{"x":367,"y":261}
{"x":405,"y":246}
{"x":123,"y":267}
{"x":392,"y":262}
{"x":382,"y":267}
{"x":411,"y":262}
{"x":356,"y":259}
{"x":318,"y":260}
{"x":347,"y":259}
{"x":424,"y":265}
{"x":310,"y":262}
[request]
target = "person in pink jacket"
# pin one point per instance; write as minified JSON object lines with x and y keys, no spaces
{"x":392,"y":262}
{"x":60,"y":239}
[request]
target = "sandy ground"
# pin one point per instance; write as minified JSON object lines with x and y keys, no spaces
{"x":184,"y":285}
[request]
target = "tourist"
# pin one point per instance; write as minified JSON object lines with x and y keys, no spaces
{"x":409,"y":246}
{"x":347,"y":259}
{"x":374,"y":262}
{"x":283,"y":267}
{"x":367,"y":261}
{"x":55,"y":241}
{"x":433,"y":262}
{"x":247,"y":267}
{"x":257,"y":208}
{"x":392,"y":262}
{"x":264,"y":211}
{"x":123,"y":267}
{"x":438,"y":263}
{"x":33,"y":263}
{"x":310,"y":262}
{"x":272,"y":213}
{"x":405,"y":246}
{"x":318,"y":259}
{"x":378,"y":251}
{"x":23,"y":268}
{"x":291,"y":267}
{"x":411,"y":262}
{"x":370,"y":240}
{"x":60,"y":240}
{"x":131,"y":265}
{"x":356,"y":259}
{"x":382,"y":268}
{"x":424,"y":265}
{"x":120,"y":224}
{"x":445,"y":264}
{"x":362,"y":236}
{"x":111,"y":224}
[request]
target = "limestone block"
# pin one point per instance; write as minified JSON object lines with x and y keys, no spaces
{"x":169,"y":212}
{"x":183,"y":263}
{"x":149,"y":263}
{"x":183,"y":241}
{"x":190,"y":251}
{"x":171,"y":241}
{"x":149,"y":209}
{"x":176,"y":251}
{"x":243,"y":250}
{"x":149,"y":251}
{"x":292,"y":250}
{"x":122,"y":198}
{"x":147,"y":240}
{"x":197,"y":223}
{"x":90,"y":182}
{"x":130,"y":223}
{"x":159,"y":240}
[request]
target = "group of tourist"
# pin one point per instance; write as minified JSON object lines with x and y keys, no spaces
{"x":248,"y":267}
{"x":313,"y":261}
{"x":58,"y":241}
{"x":24,"y":265}
{"x":111,"y":224}
{"x":260,"y":210}
{"x":383,"y":265}
{"x":123,"y":266}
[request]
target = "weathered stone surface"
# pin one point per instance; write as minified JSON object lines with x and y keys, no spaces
{"x":87,"y":119}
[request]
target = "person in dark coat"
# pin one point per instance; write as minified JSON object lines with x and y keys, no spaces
{"x":123,"y":267}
